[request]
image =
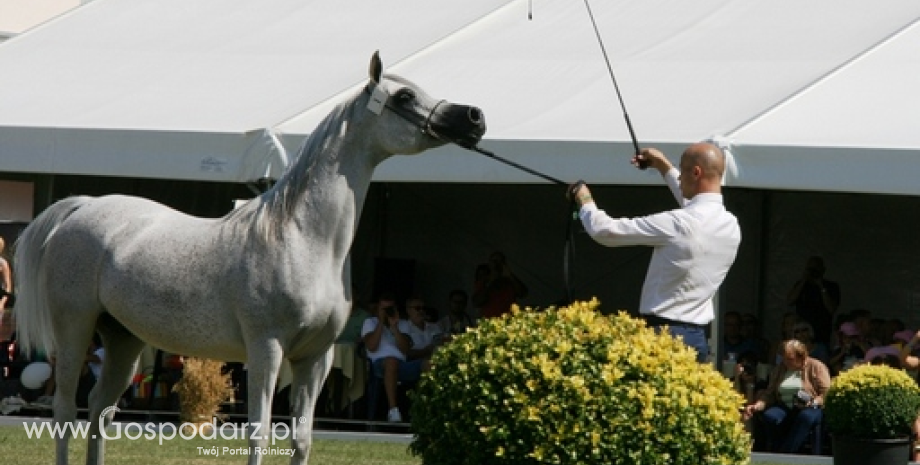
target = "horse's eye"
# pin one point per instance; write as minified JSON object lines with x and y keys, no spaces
{"x":405,"y":96}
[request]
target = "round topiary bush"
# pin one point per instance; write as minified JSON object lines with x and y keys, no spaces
{"x":872,"y":402}
{"x":571,"y":386}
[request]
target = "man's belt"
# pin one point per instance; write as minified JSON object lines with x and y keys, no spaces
{"x":655,"y":320}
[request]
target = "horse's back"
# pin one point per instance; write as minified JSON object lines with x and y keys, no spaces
{"x":147,"y":265}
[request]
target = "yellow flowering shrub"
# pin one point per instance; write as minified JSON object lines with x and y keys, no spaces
{"x":572,"y":386}
{"x":872,"y":401}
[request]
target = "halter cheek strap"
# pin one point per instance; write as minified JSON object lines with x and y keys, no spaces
{"x":379,"y":99}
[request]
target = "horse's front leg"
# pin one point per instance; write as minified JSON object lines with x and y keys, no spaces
{"x":309,"y":375}
{"x":262,"y":373}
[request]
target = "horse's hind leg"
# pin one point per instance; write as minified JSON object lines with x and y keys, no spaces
{"x":309,"y":375}
{"x":121,"y":351}
{"x":72,"y":338}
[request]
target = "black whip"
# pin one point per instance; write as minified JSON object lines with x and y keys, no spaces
{"x":643,"y":164}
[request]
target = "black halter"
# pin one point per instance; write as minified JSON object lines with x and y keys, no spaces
{"x":422,"y":122}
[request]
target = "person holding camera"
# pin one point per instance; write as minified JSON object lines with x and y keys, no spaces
{"x":386,"y":339}
{"x":693,"y":246}
{"x":791,"y":404}
{"x":816,"y":299}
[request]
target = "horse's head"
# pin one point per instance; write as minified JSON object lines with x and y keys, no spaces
{"x":431,"y":122}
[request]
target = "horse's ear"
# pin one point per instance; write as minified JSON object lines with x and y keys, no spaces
{"x":376,"y":68}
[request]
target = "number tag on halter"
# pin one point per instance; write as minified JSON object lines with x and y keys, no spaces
{"x":377,"y":101}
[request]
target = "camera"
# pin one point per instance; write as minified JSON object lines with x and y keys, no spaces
{"x":802,"y":398}
{"x":390,"y":311}
{"x":749,"y":368}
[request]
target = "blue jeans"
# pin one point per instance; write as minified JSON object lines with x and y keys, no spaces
{"x":410,"y":370}
{"x":693,"y":336}
{"x":788,"y":428}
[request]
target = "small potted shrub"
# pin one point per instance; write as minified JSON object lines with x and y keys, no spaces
{"x":870,"y":411}
{"x":202,"y":389}
{"x":572,"y":386}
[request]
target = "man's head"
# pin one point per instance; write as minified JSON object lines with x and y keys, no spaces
{"x":815,"y":267}
{"x":701,"y":169}
{"x":415,"y":308}
{"x":731,"y":325}
{"x":458,"y":300}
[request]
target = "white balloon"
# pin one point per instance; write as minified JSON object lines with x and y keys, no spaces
{"x":35,"y":374}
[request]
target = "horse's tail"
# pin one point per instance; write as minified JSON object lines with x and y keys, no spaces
{"x":33,"y":317}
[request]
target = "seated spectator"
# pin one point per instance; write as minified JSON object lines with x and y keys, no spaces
{"x":852,"y":348}
{"x":878,"y":332}
{"x":457,"y":320}
{"x":425,"y":336}
{"x":386,"y":339}
{"x":746,"y":382}
{"x":805,"y":333}
{"x":750,"y":329}
{"x":909,"y":360}
{"x":791,"y":403}
{"x":786,"y":328}
{"x":862,"y":318}
{"x":733,"y":342}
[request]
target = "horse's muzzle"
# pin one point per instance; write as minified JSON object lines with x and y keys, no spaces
{"x":463,"y":125}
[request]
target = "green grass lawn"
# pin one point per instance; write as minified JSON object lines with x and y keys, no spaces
{"x":17,"y":448}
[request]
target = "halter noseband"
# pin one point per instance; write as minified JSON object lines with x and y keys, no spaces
{"x":423,"y":123}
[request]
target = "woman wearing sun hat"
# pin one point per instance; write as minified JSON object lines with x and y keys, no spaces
{"x":852,"y":348}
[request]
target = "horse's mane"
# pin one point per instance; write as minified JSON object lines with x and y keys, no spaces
{"x":266,"y":212}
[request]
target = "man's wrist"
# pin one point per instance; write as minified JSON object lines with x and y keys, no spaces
{"x":584,"y":198}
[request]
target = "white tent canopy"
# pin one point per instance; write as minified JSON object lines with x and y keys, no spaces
{"x":813,"y":95}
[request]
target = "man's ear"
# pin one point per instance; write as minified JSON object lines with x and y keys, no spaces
{"x":376,"y":67}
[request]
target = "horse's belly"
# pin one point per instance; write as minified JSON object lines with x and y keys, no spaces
{"x":216,"y":336}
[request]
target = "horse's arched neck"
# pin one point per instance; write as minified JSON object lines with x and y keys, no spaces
{"x":324,"y":192}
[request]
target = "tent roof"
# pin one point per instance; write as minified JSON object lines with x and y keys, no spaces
{"x":179,"y":90}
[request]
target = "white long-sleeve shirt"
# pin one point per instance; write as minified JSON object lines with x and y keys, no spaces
{"x":694,"y":247}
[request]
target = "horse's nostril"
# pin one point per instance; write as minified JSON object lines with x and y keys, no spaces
{"x":475,"y":115}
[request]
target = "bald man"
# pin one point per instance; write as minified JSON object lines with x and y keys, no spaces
{"x":694,"y":246}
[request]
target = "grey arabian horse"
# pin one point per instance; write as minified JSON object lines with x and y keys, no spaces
{"x":269,"y":281}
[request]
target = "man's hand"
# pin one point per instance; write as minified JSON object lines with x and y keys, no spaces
{"x":579,"y":193}
{"x":653,"y":158}
{"x":572,"y":192}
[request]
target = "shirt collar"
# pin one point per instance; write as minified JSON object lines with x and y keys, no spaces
{"x":705,"y":198}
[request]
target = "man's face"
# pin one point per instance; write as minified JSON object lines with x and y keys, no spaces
{"x":815,"y":268}
{"x":497,"y":262}
{"x":458,"y":302}
{"x":416,"y":310}
{"x":732,"y":326}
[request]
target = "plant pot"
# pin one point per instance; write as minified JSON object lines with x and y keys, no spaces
{"x":858,"y":451}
